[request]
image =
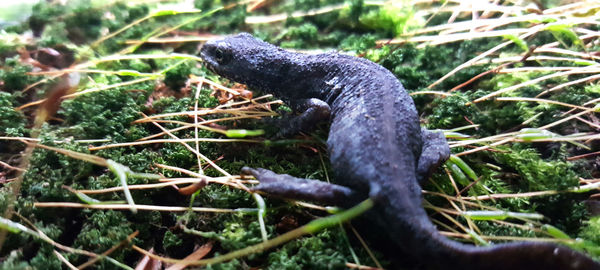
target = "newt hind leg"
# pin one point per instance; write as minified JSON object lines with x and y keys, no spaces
{"x":287,"y":186}
{"x":435,"y":151}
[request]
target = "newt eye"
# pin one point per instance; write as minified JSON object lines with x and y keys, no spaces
{"x":219,"y":54}
{"x":222,"y":56}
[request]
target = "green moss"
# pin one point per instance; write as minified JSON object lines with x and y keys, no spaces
{"x":322,"y":251}
{"x":176,"y":77}
{"x":41,"y":254}
{"x":231,"y":265}
{"x":101,"y":231}
{"x":358,"y":43}
{"x":418,"y":68}
{"x":84,"y":23}
{"x":393,"y":20}
{"x":498,"y":118}
{"x":15,"y":262}
{"x":591,"y":229}
{"x":491,"y":228}
{"x":50,"y":171}
{"x":177,"y":245}
{"x":534,"y":172}
{"x":298,"y":36}
{"x":12,"y":122}
{"x":450,"y":111}
{"x":42,"y":14}
{"x":80,"y":21}
{"x":578,"y":95}
{"x":10,"y":42}
{"x":566,"y":212}
{"x":224,"y":197}
{"x":492,"y":117}
{"x":106,"y":114}
{"x":55,"y":34}
{"x":238,"y":235}
{"x":171,"y":240}
{"x":311,"y":4}
{"x":46,"y":259}
{"x":228,"y":21}
{"x":501,"y":81}
{"x":124,"y":14}
{"x":13,"y":75}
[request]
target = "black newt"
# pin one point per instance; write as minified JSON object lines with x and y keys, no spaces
{"x":377,"y":149}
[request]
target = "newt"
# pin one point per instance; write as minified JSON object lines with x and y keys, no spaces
{"x":377,"y":150}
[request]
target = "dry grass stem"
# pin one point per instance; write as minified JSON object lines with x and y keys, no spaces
{"x":180,"y":39}
{"x":91,"y":90}
{"x":191,"y":149}
{"x":214,"y":140}
{"x":296,"y":14}
{"x":64,"y":260}
{"x":540,"y":100}
{"x":167,"y":182}
{"x":583,"y":70}
{"x":137,"y":207}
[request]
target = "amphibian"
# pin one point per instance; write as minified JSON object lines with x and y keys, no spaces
{"x":377,"y":149}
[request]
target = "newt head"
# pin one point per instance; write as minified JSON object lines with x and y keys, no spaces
{"x":235,"y":57}
{"x":244,"y":59}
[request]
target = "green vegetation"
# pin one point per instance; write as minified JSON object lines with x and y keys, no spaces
{"x":141,"y":82}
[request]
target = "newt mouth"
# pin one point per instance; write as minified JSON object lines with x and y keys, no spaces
{"x":207,"y":59}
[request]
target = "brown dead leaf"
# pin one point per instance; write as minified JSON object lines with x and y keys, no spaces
{"x":190,"y":189}
{"x":196,"y":255}
{"x":147,"y":263}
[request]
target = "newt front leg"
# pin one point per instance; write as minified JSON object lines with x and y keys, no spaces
{"x":287,"y":186}
{"x":312,"y":111}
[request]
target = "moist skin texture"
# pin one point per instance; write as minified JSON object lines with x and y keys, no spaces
{"x":377,"y":149}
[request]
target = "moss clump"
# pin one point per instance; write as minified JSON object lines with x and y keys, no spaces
{"x":49,"y":171}
{"x":12,"y":122}
{"x":321,"y":251}
{"x":392,"y":20}
{"x":176,"y":77}
{"x":80,"y":22}
{"x":224,"y":197}
{"x":230,"y":265}
{"x":14,"y":261}
{"x":33,"y":254}
{"x":591,"y":229}
{"x":297,"y":36}
{"x":177,"y":245}
{"x":536,"y":173}
{"x":106,"y":114}
{"x":103,"y":230}
{"x":418,"y":68}
{"x":230,"y":20}
{"x":240,"y":235}
{"x":13,"y":75}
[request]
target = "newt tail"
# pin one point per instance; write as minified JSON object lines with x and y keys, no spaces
{"x":423,"y":242}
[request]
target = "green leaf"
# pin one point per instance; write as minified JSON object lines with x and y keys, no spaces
{"x":499,"y":215}
{"x":164,"y":13}
{"x":241,"y":133}
{"x":555,"y":232}
{"x":464,"y":167}
{"x":563,"y":31}
{"x":11,"y":226}
{"x":518,"y":41}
